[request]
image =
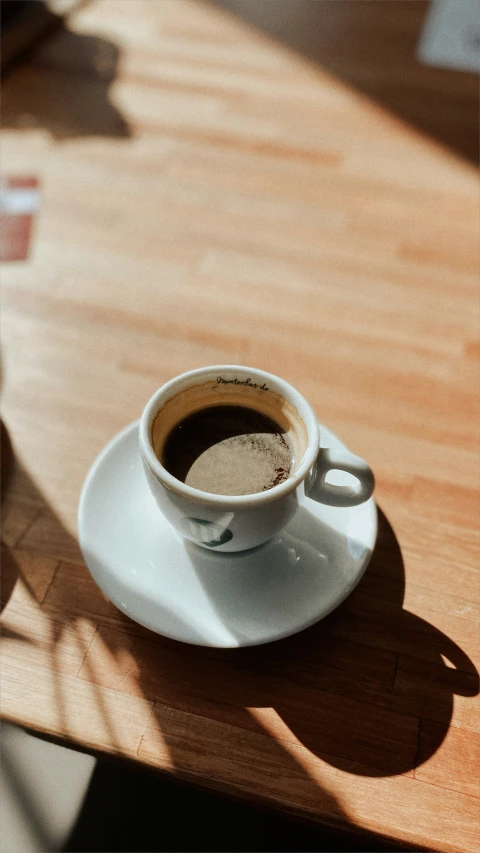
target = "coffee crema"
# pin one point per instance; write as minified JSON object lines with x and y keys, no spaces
{"x":228,"y":450}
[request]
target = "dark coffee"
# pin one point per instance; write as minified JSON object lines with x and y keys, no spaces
{"x":228,"y":450}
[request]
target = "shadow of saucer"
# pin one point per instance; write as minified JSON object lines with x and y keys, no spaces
{"x":64,"y":88}
{"x":366,"y":689}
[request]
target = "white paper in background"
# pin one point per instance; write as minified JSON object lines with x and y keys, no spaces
{"x":451,"y":37}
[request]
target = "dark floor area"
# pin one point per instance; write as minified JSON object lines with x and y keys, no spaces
{"x":127,"y":809}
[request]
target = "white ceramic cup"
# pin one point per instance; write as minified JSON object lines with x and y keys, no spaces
{"x":235,"y":523}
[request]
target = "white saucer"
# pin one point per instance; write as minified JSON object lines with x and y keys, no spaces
{"x":185,"y":592}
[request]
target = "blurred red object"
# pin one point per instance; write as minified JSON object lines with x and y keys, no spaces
{"x":19,"y":201}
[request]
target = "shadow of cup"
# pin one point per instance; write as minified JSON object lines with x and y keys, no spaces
{"x":397,"y":674}
{"x":368,"y":688}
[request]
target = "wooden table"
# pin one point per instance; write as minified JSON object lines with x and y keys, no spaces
{"x":210,"y":196}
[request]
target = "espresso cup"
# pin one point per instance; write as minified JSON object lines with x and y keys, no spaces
{"x":226,"y":522}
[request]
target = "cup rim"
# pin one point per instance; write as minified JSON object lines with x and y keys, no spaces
{"x":256,"y":499}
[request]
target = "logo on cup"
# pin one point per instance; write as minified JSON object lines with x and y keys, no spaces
{"x":246,"y":382}
{"x":206,"y":532}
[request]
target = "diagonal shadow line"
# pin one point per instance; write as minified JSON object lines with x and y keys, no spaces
{"x":371,"y":47}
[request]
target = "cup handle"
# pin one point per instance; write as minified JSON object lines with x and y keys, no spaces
{"x":341,"y":460}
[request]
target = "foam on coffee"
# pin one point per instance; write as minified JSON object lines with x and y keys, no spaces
{"x":228,"y":450}
{"x":229,"y":437}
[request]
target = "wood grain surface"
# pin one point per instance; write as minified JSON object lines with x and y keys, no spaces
{"x":209,"y":195}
